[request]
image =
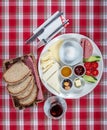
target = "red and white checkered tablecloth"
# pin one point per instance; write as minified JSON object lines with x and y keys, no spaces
{"x":17,"y":20}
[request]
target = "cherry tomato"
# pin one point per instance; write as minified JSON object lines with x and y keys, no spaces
{"x":95,"y":72}
{"x":94,"y":65}
{"x":88,"y":72}
{"x":91,"y":68}
{"x":87,"y":65}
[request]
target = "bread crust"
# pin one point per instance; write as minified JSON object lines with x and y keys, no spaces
{"x":30,"y":98}
{"x":17,"y":88}
{"x":26,"y":92}
{"x":20,"y":81}
{"x":6,"y":65}
{"x":17,"y":72}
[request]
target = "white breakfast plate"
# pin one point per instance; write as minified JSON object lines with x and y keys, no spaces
{"x":88,"y":87}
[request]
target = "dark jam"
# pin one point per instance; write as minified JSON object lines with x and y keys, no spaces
{"x":79,"y":70}
{"x":56,"y":110}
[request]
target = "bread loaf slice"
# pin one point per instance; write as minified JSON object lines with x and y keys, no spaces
{"x":20,"y":81}
{"x":29,"y":99}
{"x":16,"y":72}
{"x":27,"y":96}
{"x":26,"y":91}
{"x":17,"y":88}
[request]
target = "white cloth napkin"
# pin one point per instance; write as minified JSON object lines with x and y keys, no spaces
{"x":51,"y":27}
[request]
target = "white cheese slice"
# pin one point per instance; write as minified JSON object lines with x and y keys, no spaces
{"x":47,"y":63}
{"x":45,"y":69}
{"x":54,"y":82}
{"x":51,"y":71}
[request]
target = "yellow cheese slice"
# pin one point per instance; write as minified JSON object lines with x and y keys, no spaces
{"x":46,"y":56}
{"x":54,"y":48}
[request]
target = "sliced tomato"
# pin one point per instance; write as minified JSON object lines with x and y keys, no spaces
{"x":87,"y":65}
{"x":95,"y":72}
{"x":88,"y":72}
{"x":91,"y":68}
{"x":94,"y":65}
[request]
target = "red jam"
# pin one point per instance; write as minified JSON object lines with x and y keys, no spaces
{"x":79,"y":70}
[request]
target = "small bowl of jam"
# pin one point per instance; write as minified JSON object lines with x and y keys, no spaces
{"x":79,"y":70}
{"x":66,"y":71}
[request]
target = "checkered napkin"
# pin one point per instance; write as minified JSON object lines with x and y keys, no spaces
{"x":17,"y":20}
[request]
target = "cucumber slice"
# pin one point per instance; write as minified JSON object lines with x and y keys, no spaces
{"x":89,"y":78}
{"x":92,"y":59}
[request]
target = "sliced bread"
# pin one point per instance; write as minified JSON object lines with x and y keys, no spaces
{"x":26,"y":91}
{"x":16,"y":72}
{"x":17,"y":88}
{"x":29,"y":99}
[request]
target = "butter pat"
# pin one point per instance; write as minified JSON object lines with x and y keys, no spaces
{"x":77,"y":83}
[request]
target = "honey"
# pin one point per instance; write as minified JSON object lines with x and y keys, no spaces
{"x":66,"y":71}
